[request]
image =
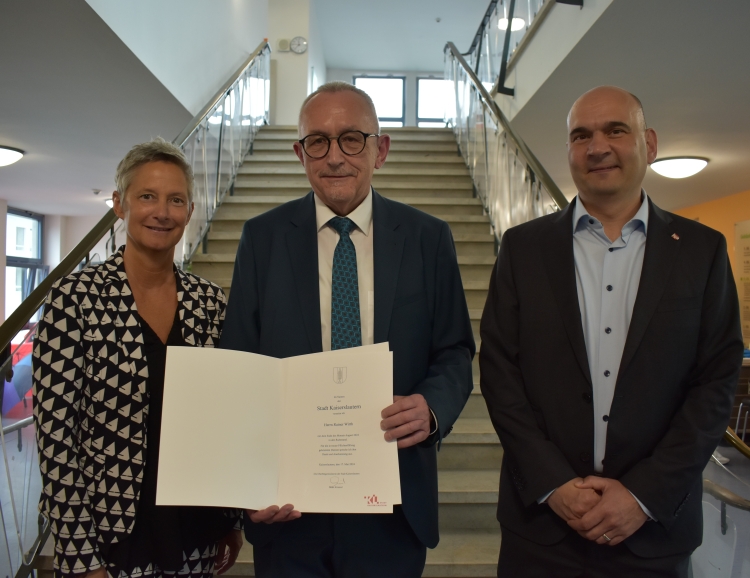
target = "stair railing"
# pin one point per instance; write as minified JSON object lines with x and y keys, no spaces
{"x":505,"y":31}
{"x":215,"y":142}
{"x":510,"y":181}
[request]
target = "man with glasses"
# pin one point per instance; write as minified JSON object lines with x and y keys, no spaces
{"x":343,"y":267}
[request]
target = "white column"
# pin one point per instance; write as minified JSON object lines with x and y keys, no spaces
{"x":3,"y":232}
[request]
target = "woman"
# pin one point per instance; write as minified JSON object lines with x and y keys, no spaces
{"x":99,"y":360}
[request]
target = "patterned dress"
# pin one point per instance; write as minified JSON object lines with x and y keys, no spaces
{"x":91,"y":407}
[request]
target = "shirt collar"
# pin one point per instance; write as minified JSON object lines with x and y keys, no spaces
{"x":362,"y":215}
{"x":640,"y":218}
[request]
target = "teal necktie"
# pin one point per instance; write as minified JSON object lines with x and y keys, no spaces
{"x":346,"y":325}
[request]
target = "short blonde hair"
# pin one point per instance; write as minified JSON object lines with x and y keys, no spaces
{"x":154,"y":150}
{"x":340,"y":86}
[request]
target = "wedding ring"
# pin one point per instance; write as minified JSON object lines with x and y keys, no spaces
{"x":607,"y":538}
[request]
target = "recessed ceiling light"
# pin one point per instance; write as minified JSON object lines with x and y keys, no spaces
{"x":109,"y":203}
{"x":517,"y":24}
{"x":9,"y":155}
{"x":679,"y":167}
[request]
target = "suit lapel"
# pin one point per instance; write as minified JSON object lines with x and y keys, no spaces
{"x":303,"y":253}
{"x":658,"y":260}
{"x":388,"y":246}
{"x":560,"y":265}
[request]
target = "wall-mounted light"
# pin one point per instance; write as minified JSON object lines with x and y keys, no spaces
{"x":515,"y":26}
{"x":10,"y":155}
{"x":679,"y":167}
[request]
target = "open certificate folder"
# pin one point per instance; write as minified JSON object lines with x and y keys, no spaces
{"x":249,"y":431}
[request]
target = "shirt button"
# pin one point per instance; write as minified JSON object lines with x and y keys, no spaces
{"x":585,"y":456}
{"x":605,"y":417}
{"x":611,"y":249}
{"x":587,"y":397}
{"x":606,"y":373}
{"x":591,"y":221}
{"x":608,"y":330}
{"x":609,"y":287}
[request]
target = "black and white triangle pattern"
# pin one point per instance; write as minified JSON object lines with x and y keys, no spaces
{"x":91,"y":403}
{"x":197,"y":564}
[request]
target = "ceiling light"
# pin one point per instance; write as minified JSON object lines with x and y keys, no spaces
{"x":517,"y":24}
{"x":679,"y":167}
{"x":9,"y":155}
{"x":109,"y":202}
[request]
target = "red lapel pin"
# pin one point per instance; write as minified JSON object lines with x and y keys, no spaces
{"x":675,"y":236}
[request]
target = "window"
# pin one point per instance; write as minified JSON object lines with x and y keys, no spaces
{"x":434,"y":98}
{"x":388,"y":94}
{"x":23,"y":253}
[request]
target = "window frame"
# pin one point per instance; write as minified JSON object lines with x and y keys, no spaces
{"x":11,"y":261}
{"x":402,"y":118}
{"x":424,"y":119}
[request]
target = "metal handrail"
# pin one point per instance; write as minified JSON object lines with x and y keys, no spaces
{"x":20,"y":317}
{"x":220,"y":94}
{"x":494,"y":109}
{"x":724,"y":495}
{"x":736,"y":442}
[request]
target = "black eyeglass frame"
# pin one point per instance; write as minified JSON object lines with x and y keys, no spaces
{"x":338,"y":141}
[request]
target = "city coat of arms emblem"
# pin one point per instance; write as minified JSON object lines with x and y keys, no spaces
{"x":339,"y":374}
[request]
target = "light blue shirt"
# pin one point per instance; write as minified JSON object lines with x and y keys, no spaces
{"x":607,"y":277}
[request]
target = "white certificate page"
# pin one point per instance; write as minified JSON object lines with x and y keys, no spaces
{"x":249,"y":431}
{"x":335,"y":456}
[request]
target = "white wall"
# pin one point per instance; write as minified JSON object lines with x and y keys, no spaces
{"x":347,"y":75}
{"x":290,"y":84}
{"x":3,"y":224}
{"x":558,"y":33}
{"x":316,"y":73}
{"x":52,"y":252}
{"x":191,"y":46}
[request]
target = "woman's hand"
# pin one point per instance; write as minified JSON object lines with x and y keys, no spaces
{"x":100,"y":572}
{"x":229,"y":548}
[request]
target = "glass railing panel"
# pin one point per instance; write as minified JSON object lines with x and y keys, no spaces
{"x":501,"y":166}
{"x":725,"y":551}
{"x":20,"y":481}
{"x":491,"y":49}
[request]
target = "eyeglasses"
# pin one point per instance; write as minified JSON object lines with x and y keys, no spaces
{"x":352,"y":142}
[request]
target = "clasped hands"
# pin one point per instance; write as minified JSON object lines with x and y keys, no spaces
{"x":596,"y":506}
{"x":408,"y":419}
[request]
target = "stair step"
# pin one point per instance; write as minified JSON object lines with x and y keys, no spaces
{"x":472,"y":431}
{"x":449,"y":146}
{"x":416,"y":170}
{"x":394,"y":157}
{"x":302,"y":186}
{"x":470,"y":554}
{"x":468,"y":486}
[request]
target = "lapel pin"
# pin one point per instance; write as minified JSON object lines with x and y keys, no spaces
{"x":675,"y":236}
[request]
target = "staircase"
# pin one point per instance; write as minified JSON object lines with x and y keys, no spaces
{"x":425,"y":170}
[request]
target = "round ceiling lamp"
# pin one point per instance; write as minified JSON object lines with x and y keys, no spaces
{"x":515,"y":26}
{"x":9,"y":155}
{"x":679,"y":167}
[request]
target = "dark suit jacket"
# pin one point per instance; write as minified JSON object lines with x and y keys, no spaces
{"x":420,"y":309}
{"x":674,"y":390}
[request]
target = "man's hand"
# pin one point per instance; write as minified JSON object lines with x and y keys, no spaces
{"x":98,"y":573}
{"x":571,"y":502}
{"x":618,"y":514}
{"x":229,"y":548}
{"x":407,"y":420}
{"x":273,"y":514}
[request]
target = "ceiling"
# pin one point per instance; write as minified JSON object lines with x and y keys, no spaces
{"x":688,"y":62}
{"x":395,"y":35}
{"x":76,"y":98}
